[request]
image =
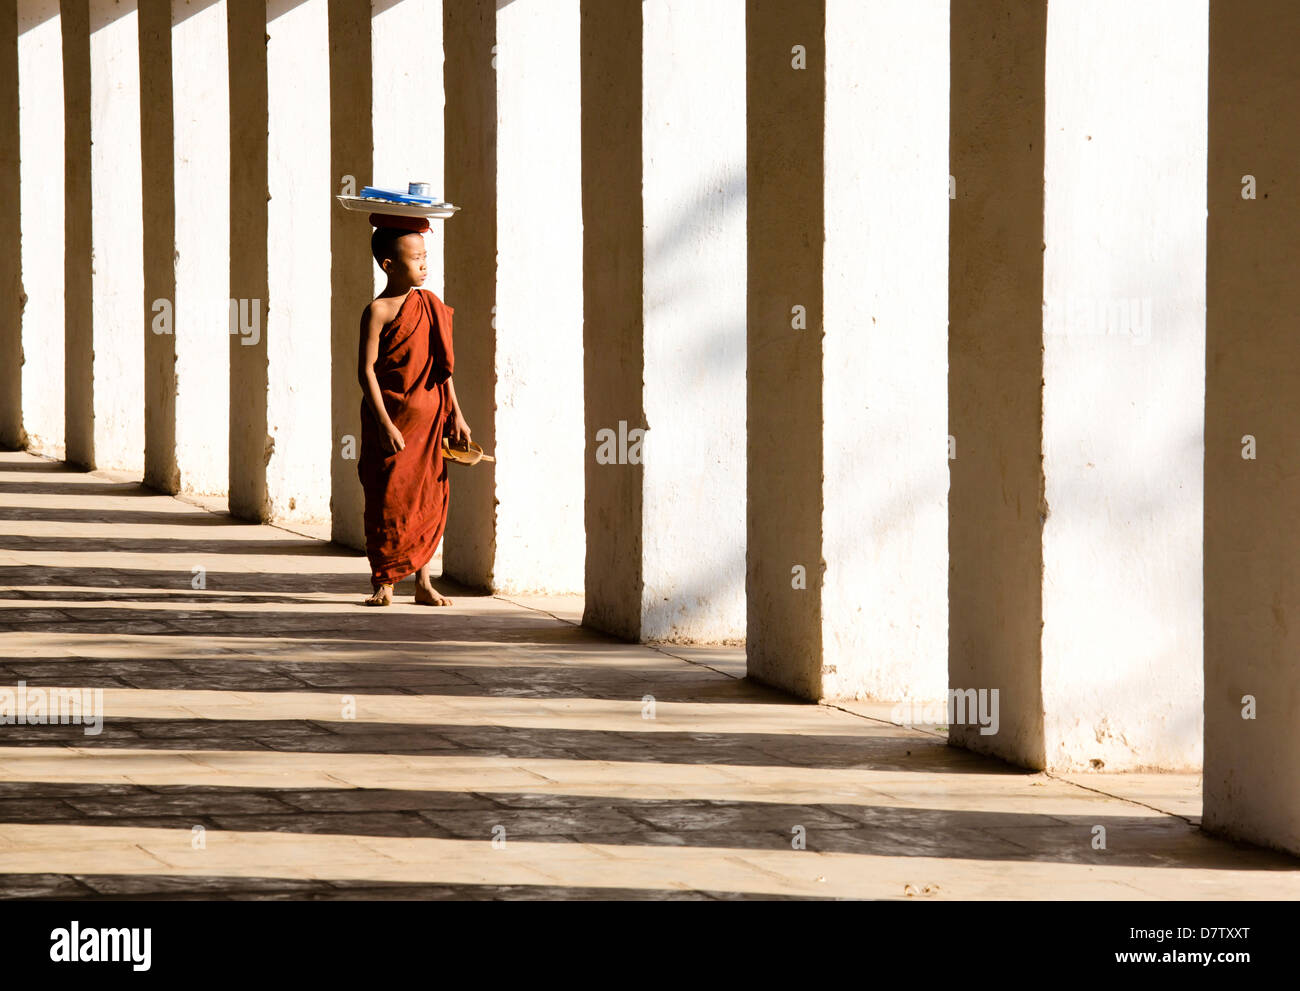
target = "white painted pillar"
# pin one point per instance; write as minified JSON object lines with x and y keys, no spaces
{"x":785,"y":70}
{"x":186,"y":146}
{"x":514,"y":277}
{"x":848,"y":109}
{"x":470,"y":275}
{"x":201,"y":156}
{"x":41,"y":164}
{"x":1077,"y":410}
{"x":664,"y":289}
{"x":406,"y":73}
{"x":352,"y":139}
{"x":298,"y":313}
{"x":158,"y":175}
{"x":1252,"y":548}
{"x":249,"y":440}
{"x":118,"y":271}
{"x":11,"y":333}
{"x":995,"y":367}
{"x":885,"y":526}
{"x":539,"y":541}
{"x":282,"y":196}
{"x":1124,"y":366}
{"x":104,"y":384}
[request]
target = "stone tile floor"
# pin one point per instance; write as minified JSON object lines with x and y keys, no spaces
{"x":267,"y":736}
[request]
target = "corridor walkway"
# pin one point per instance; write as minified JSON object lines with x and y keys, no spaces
{"x":266,"y":736}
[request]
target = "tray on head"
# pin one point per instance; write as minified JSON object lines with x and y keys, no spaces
{"x":396,"y":208}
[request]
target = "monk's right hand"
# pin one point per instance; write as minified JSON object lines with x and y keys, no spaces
{"x":394,"y":438}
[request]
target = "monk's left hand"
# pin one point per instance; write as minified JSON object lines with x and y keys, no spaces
{"x":460,"y":431}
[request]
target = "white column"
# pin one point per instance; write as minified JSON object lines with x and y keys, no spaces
{"x":785,"y":69}
{"x":693,"y":312}
{"x":11,"y":327}
{"x":1077,"y":373}
{"x":297,"y":313}
{"x":514,"y":277}
{"x":40,"y":155}
{"x":201,"y":161}
{"x":470,"y":275}
{"x":407,"y":109}
{"x":249,"y":438}
{"x":664,"y":291}
{"x":105,"y":357}
{"x":538,"y":319}
{"x":353,"y":136}
{"x":185,"y":123}
{"x":995,"y":369}
{"x":847,"y":495}
{"x":1124,"y":372}
{"x":1252,"y":446}
{"x":885,"y":353}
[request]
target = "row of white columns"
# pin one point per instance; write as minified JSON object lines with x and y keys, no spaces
{"x":699,"y":279}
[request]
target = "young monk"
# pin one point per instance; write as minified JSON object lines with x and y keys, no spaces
{"x":404,"y":366}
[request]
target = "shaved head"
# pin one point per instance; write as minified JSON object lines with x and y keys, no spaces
{"x":384,"y":242}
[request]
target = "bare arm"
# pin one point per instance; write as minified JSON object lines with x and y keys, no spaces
{"x":459,"y":428}
{"x":367,"y":355}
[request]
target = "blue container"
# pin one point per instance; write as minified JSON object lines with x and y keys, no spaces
{"x":398,"y":196}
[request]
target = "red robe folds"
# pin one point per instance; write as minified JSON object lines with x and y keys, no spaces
{"x":407,"y":492}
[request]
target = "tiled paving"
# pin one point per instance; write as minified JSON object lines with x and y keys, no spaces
{"x":267,"y":736}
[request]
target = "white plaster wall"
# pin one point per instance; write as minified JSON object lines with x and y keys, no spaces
{"x":117,"y":236}
{"x":40,"y":114}
{"x":406,"y":79}
{"x":1124,"y":217}
{"x":540,"y":540}
{"x":885,"y":516}
{"x":694,"y":182}
{"x":298,"y":252}
{"x":201,"y":134}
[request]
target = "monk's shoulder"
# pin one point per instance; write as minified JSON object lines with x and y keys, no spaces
{"x":381,"y":311}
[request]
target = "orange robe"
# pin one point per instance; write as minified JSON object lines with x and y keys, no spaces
{"x":407,"y":492}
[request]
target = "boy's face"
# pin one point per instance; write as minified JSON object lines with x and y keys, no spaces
{"x":411,"y":261}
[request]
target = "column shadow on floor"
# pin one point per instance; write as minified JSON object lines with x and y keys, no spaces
{"x":868,"y":830}
{"x":405,"y":650}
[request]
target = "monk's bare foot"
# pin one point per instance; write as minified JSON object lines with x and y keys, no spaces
{"x":382,"y":596}
{"x":427,"y":595}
